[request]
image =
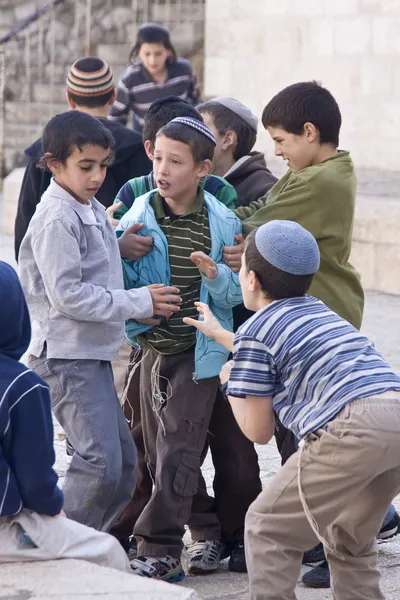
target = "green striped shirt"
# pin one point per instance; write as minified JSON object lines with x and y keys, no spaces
{"x":185,"y":234}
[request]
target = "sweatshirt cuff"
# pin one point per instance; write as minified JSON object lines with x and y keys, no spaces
{"x":142,"y":303}
{"x":219,"y":283}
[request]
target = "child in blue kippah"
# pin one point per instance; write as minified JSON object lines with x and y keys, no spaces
{"x":328,"y":385}
{"x":180,"y":367}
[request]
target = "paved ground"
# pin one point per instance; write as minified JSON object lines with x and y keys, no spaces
{"x":382,"y":325}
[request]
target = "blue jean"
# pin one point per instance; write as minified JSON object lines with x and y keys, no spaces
{"x":102,"y":475}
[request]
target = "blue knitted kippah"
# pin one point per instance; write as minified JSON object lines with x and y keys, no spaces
{"x":288,"y":247}
{"x":195,"y":124}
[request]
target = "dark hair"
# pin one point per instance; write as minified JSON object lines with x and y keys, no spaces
{"x":305,"y":102}
{"x":152,"y":33}
{"x":275,"y":284}
{"x":73,"y":128}
{"x":200,"y":146}
{"x":226,"y":120}
{"x":162,"y":112}
{"x":91,"y":101}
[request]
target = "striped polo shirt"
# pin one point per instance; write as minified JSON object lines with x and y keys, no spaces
{"x":137,"y":89}
{"x":185,"y":234}
{"x":309,"y":359}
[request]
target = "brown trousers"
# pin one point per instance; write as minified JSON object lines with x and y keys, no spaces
{"x":349,"y":474}
{"x":236,"y":482}
{"x":174,"y":434}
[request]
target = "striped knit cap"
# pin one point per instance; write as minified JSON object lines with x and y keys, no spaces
{"x":90,"y":77}
{"x":197,"y":125}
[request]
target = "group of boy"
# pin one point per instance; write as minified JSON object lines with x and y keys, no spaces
{"x":180,"y":243}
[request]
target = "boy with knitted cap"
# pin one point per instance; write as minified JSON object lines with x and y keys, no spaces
{"x":327,"y":384}
{"x":90,"y":89}
{"x":235,"y":129}
{"x":179,"y":369}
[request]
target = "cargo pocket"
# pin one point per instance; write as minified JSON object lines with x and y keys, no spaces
{"x":187,"y":475}
{"x":42,"y":368}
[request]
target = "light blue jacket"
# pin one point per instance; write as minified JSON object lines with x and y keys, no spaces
{"x":221,"y":293}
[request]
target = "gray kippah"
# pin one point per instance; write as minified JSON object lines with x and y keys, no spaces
{"x":288,"y":247}
{"x":239,"y":109}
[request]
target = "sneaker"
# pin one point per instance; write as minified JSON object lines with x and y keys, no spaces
{"x":237,"y":561}
{"x":205,"y":556}
{"x":132,"y":548}
{"x":391,"y":529}
{"x":318,"y":577}
{"x":165,"y":568}
{"x":314,"y":555}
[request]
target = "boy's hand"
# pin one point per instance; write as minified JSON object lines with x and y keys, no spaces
{"x":208,"y":324}
{"x":205,"y":264}
{"x":110,"y":213}
{"x":232,"y":255}
{"x":162,"y":296}
{"x":226,"y":372}
{"x":133,"y":246}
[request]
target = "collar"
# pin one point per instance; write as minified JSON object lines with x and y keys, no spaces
{"x":237,"y":164}
{"x":161,"y":210}
{"x":56,"y":191}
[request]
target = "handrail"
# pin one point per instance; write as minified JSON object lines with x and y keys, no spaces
{"x":24,"y":24}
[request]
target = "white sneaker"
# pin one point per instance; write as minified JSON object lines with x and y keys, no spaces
{"x":205,"y":556}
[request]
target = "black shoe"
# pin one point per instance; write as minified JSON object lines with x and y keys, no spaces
{"x":391,"y":529}
{"x":237,"y":561}
{"x":314,"y":555}
{"x":318,"y":577}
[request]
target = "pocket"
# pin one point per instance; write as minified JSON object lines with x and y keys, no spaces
{"x":43,"y":368}
{"x":187,"y":475}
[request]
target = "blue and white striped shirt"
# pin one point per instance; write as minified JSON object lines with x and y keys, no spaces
{"x":309,"y":359}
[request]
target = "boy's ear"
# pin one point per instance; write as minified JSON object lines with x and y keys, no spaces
{"x":70,"y":102}
{"x":52,"y":163}
{"x":254,"y":284}
{"x":311,"y":132}
{"x":149,"y":148}
{"x":230,"y":140}
{"x":205,"y":168}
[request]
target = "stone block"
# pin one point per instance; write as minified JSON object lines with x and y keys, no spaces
{"x":390,"y":6}
{"x":387,"y":259}
{"x":385,"y":37}
{"x":377,"y":75}
{"x":353,"y":35}
{"x":322,"y":36}
{"x":363,"y":259}
{"x":217,"y":9}
{"x":307,"y":8}
{"x":115,"y":54}
{"x":340,"y":7}
{"x":217,"y":76}
{"x":11,"y":189}
{"x":63,"y":579}
{"x":370,"y":7}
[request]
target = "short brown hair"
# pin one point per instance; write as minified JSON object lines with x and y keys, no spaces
{"x":275,"y":284}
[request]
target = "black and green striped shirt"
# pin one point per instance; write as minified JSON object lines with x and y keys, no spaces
{"x":185,"y":234}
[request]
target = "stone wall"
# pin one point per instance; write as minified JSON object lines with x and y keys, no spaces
{"x":253,"y":49}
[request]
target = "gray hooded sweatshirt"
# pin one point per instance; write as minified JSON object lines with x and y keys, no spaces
{"x":70,"y":270}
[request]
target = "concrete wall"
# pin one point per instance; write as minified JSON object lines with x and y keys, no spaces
{"x":255,"y":48}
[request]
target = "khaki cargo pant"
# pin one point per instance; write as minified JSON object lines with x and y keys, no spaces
{"x":29,"y":537}
{"x":349,"y":474}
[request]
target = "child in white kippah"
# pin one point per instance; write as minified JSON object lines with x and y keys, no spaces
{"x":328,"y":385}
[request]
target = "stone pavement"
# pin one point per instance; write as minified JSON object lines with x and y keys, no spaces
{"x":382,"y":325}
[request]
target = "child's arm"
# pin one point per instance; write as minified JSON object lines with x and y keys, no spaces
{"x":211,"y":327}
{"x":32,"y":453}
{"x":222,"y":283}
{"x":57,"y":255}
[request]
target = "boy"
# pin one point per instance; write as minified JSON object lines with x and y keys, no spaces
{"x":235,"y":130}
{"x":330,"y":386}
{"x":90,"y":89}
{"x":159,"y":114}
{"x":178,"y":380}
{"x":71,"y":273}
{"x":32,"y":525}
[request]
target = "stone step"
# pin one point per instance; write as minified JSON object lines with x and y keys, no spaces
{"x":21,"y":135}
{"x":33,"y":113}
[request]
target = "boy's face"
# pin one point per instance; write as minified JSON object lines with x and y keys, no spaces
{"x":153,"y":57}
{"x":177,"y":175}
{"x":83,"y":172}
{"x":297,"y":150}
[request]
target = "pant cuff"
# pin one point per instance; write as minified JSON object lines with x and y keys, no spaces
{"x":156,"y":550}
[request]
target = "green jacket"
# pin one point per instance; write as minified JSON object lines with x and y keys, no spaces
{"x":322,"y":199}
{"x":138,"y":186}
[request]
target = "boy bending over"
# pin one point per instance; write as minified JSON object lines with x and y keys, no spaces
{"x":179,"y":370}
{"x":328,"y":385}
{"x":72,"y":276}
{"x":32,"y":524}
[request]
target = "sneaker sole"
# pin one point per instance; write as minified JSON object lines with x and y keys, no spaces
{"x":173,"y":577}
{"x":202,"y":569}
{"x":317,"y":585}
{"x":387,"y":535}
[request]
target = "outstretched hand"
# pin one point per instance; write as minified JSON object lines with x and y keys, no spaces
{"x":207,"y":323}
{"x":205,"y":264}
